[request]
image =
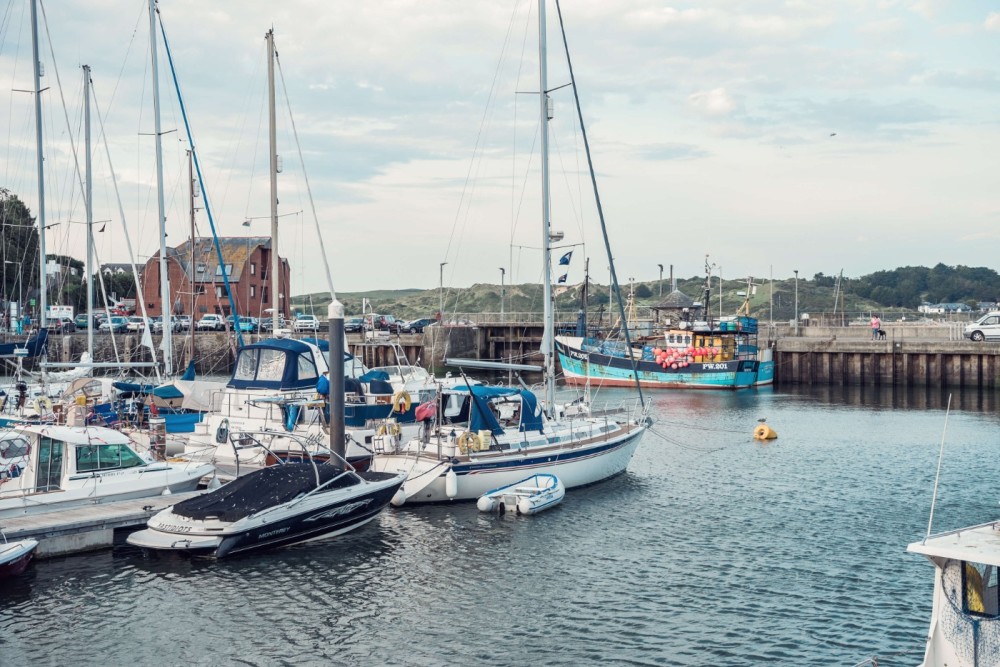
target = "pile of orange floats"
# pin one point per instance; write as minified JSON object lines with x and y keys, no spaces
{"x":676,"y":357}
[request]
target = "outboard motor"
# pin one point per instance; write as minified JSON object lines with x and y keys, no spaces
{"x":22,"y":394}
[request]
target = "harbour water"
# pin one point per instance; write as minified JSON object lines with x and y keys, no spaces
{"x":713,"y":549}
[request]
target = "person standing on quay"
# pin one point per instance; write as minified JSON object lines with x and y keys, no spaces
{"x":876,"y":326}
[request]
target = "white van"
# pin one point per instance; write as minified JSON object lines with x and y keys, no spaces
{"x":986,"y":327}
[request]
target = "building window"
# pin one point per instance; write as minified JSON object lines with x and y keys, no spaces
{"x":200,"y":289}
{"x":263,"y":295}
{"x":253,"y":290}
{"x":218,"y":292}
{"x":202,"y":268}
{"x":253,"y":269}
{"x":229,"y":270}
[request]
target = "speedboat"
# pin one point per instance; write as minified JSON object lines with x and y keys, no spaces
{"x":15,"y":556}
{"x":492,"y":437}
{"x":270,"y":507}
{"x":966,"y":604}
{"x":44,"y":468}
{"x":529,"y":496}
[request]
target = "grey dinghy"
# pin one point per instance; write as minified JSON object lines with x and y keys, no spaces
{"x":271,"y":507}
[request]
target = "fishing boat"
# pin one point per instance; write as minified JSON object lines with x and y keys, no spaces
{"x":45,"y":468}
{"x":696,"y":351}
{"x":485,"y":437}
{"x":529,"y":496}
{"x":965,"y":615}
{"x":15,"y":556}
{"x":270,"y":507}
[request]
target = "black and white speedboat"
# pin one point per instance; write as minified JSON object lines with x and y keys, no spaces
{"x":272,"y":507}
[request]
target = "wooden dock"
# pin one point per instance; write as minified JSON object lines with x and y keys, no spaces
{"x":86,"y":528}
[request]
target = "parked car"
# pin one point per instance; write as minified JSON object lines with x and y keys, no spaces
{"x":80,"y":321}
{"x":384,"y":323}
{"x":181,"y":322}
{"x":306,"y":323}
{"x":986,"y":327}
{"x":135,"y":323}
{"x":417,"y":326}
{"x":354,"y":324}
{"x":114,"y":324}
{"x":267,"y":323}
{"x":61,"y":324}
{"x":210,"y":322}
{"x":247,"y":324}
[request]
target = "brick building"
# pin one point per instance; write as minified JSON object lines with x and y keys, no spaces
{"x":247,"y":262}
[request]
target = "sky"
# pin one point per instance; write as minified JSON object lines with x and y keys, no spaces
{"x":819,"y":136}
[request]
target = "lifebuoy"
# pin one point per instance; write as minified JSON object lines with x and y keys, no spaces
{"x":764,"y":432}
{"x":401,"y":401}
{"x":391,"y":429}
{"x":467,"y":442}
{"x":43,"y":405}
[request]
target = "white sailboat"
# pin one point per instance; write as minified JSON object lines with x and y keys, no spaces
{"x":507,"y":434}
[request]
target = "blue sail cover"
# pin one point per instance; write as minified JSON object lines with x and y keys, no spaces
{"x":34,"y":345}
{"x":482,"y":418}
{"x":275,"y":363}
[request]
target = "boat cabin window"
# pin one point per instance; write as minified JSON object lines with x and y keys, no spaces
{"x":105,"y":457}
{"x":13,"y":448}
{"x":246,"y":365}
{"x":307,"y":369}
{"x":979,"y":590}
{"x":271,"y":365}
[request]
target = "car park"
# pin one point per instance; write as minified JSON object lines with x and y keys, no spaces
{"x":211,"y":322}
{"x":417,"y":326}
{"x":114,"y":324}
{"x":986,"y":327}
{"x":61,"y":324}
{"x":306,"y":323}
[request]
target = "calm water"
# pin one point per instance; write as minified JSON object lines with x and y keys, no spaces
{"x":712,"y":550}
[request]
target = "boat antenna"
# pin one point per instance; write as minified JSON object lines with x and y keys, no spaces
{"x":937,"y":476}
{"x":600,"y":209}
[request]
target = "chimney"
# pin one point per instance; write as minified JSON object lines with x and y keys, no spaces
{"x":673,"y":285}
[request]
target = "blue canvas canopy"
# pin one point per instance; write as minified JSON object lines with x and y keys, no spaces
{"x":34,"y":345}
{"x":482,"y":418}
{"x":275,"y":363}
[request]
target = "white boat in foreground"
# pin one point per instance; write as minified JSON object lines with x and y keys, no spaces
{"x":44,"y":468}
{"x":965,"y":620}
{"x":15,"y":556}
{"x":529,"y":496}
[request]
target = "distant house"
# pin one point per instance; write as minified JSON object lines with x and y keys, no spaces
{"x":676,"y":306}
{"x":197,"y":285}
{"x":986,"y":306}
{"x":945,"y":308}
{"x":109,"y":270}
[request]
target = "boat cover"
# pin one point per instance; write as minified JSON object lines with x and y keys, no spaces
{"x":259,"y":490}
{"x":482,"y":418}
{"x":275,"y":363}
{"x":34,"y":345}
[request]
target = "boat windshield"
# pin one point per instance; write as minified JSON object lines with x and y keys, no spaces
{"x":90,"y":458}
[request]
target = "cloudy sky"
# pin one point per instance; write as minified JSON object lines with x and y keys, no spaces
{"x":857,"y":134}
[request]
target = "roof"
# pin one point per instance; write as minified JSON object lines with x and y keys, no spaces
{"x":236,"y":250}
{"x":77,"y":435}
{"x":977,"y":544}
{"x":676,"y":299}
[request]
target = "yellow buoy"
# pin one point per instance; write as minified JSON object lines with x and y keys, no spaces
{"x":764,"y":432}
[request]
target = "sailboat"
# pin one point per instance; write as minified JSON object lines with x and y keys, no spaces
{"x":490,"y":437}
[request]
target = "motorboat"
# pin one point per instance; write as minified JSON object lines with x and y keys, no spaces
{"x":490,"y":437}
{"x":965,"y":614}
{"x":274,"y":506}
{"x":44,"y":468}
{"x":529,"y":496}
{"x":15,"y":556}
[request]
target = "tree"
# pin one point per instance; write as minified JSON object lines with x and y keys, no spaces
{"x":643,"y":291}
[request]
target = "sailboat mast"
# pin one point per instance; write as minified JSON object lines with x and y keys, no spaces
{"x":273,"y":139}
{"x":191,"y":269}
{"x":42,"y":278}
{"x":548,"y":345}
{"x":89,"y":167}
{"x":168,"y":353}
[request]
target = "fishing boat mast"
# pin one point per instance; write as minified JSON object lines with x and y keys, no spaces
{"x":42,"y":279}
{"x":194,"y":292}
{"x":548,"y":339}
{"x":168,"y":353}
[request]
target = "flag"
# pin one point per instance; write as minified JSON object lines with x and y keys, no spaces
{"x":562,"y":278}
{"x":564,"y":260}
{"x":102,"y":228}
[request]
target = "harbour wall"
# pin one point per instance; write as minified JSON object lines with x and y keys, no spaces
{"x":910,"y":355}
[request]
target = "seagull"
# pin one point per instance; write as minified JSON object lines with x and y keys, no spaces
{"x":833,"y":134}
{"x":762,"y":420}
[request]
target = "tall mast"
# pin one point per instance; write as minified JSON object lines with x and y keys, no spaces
{"x":191,"y":266}
{"x":548,"y":345}
{"x":165,"y":308}
{"x":273,"y":139}
{"x":42,"y":278}
{"x":88,"y":163}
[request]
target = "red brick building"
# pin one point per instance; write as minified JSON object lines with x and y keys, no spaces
{"x":247,"y":262}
